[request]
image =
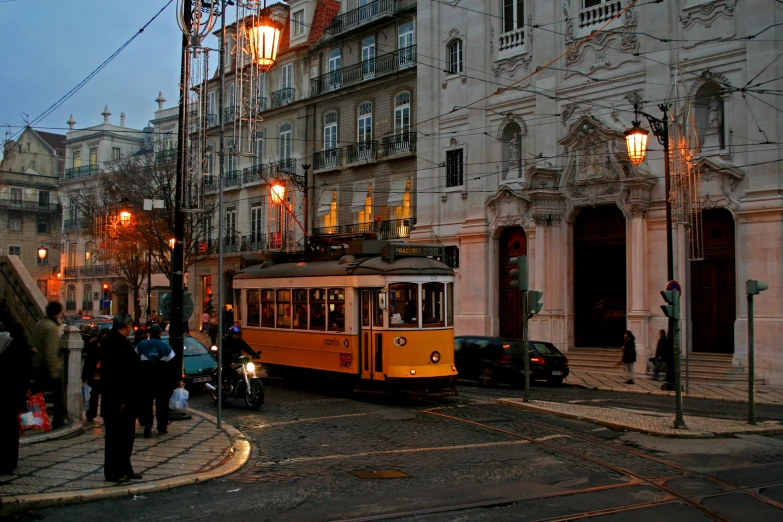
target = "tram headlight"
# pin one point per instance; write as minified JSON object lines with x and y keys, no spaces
{"x":250,"y":367}
{"x":413,"y":372}
{"x":435,"y":357}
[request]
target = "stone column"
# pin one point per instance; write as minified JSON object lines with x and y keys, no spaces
{"x":638,"y":316}
{"x":72,"y":344}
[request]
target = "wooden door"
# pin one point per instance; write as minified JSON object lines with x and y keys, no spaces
{"x":513,"y":242}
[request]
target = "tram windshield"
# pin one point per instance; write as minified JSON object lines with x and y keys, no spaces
{"x":403,"y":303}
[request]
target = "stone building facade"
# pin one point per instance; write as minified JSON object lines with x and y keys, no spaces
{"x":527,"y":116}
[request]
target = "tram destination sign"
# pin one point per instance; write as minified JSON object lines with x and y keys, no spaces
{"x":392,"y":251}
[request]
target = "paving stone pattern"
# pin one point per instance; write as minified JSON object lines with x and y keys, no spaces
{"x":76,"y":463}
{"x":765,"y":394}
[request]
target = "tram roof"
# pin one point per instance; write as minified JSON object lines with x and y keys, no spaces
{"x":345,"y":266}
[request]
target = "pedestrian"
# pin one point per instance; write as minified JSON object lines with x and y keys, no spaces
{"x":156,"y":382}
{"x":213,"y":327}
{"x":119,"y":373}
{"x":49,"y":362}
{"x":204,"y":322}
{"x":661,"y":354}
{"x":228,"y":319}
{"x":16,"y":363}
{"x":91,"y":372}
{"x":629,"y":355}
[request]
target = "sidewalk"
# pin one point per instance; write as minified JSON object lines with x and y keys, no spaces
{"x":653,"y":423}
{"x":644,"y":384}
{"x":69,"y":470}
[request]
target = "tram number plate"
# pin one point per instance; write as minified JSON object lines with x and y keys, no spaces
{"x":557,"y":373}
{"x":206,"y":378}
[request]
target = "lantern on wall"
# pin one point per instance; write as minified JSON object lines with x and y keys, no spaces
{"x":42,"y":252}
{"x":277,"y":191}
{"x":262,"y":34}
{"x":636,"y":141}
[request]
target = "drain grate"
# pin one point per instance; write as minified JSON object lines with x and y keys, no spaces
{"x":383,"y":474}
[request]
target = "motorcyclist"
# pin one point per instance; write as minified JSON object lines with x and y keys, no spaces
{"x":233,"y":348}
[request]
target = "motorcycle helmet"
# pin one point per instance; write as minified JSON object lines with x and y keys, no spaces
{"x":234,"y":330}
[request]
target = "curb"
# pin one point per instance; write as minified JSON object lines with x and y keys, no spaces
{"x":240,"y":454}
{"x":75,"y":427}
{"x":622,"y":427}
{"x":666,"y":394}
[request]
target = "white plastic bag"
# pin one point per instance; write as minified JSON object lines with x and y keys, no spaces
{"x":179,"y":399}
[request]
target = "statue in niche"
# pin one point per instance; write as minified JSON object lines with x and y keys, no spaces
{"x":513,"y":161}
{"x":715,"y":118}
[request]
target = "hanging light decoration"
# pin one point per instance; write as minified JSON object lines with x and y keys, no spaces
{"x":636,"y":141}
{"x":262,"y":35}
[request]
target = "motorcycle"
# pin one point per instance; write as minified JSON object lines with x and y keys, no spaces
{"x":246,"y":384}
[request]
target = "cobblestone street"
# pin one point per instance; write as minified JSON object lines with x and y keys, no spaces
{"x":330,"y":456}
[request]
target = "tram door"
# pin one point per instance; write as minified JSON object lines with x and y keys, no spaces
{"x":370,"y":335}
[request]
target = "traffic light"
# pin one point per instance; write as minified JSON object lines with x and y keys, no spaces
{"x":535,"y":302}
{"x":519,"y":273}
{"x":753,"y":287}
{"x":672,"y":307}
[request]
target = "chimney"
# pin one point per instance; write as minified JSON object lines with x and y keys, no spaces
{"x":122,"y":119}
{"x":161,"y":100}
{"x":106,"y":115}
{"x":71,"y":122}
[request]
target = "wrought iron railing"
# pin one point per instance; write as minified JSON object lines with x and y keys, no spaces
{"x":366,"y":70}
{"x":232,"y":178}
{"x":259,"y":104}
{"x":31,"y":206}
{"x":70,"y":305}
{"x":389,"y":229}
{"x":229,"y":113}
{"x":283,"y":97}
{"x":98,"y":270}
{"x":364,"y":151}
{"x":287,"y":166}
{"x":327,"y":159}
{"x":81,"y":172}
{"x":399,"y":144}
{"x":71,"y":225}
{"x":210,"y":183}
{"x":253,"y":242}
{"x":87,"y":306}
{"x":253,"y":174}
{"x":365,"y":14}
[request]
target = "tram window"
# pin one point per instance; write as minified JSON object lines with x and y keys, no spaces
{"x":366,"y":308}
{"x":403,"y":304}
{"x":252,"y":308}
{"x":268,"y":308}
{"x":432,"y":305}
{"x":336,"y":306}
{"x":317,"y":309}
{"x":300,"y":309}
{"x":284,"y":308}
{"x":377,"y":316}
{"x":449,"y":304}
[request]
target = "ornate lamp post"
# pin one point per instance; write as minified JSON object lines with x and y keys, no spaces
{"x":263,"y":38}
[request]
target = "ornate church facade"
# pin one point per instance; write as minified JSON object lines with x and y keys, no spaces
{"x":522,"y":151}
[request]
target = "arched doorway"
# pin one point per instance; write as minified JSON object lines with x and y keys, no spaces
{"x":513,"y":242}
{"x":714,"y":287}
{"x":599,"y":277}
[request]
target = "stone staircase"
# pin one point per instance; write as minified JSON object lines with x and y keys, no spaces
{"x":705,"y":368}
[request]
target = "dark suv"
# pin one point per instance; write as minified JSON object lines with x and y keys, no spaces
{"x":492,"y":360}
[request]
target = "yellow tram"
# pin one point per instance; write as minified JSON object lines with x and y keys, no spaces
{"x":384,"y":315}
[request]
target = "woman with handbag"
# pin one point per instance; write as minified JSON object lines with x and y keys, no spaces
{"x":16,"y":366}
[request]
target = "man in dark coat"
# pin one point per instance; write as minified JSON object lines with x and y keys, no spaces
{"x":16,"y":363}
{"x":119,"y":373}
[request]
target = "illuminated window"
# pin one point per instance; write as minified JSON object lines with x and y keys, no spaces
{"x":253,"y":317}
{"x":284,"y":309}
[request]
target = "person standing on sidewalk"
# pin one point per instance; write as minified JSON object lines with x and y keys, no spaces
{"x":154,"y":354}
{"x":119,"y":371}
{"x":204,"y":322}
{"x":49,"y":361}
{"x":91,"y":372}
{"x":16,"y":364}
{"x":629,"y":355}
{"x":661,"y":354}
{"x":213,"y":327}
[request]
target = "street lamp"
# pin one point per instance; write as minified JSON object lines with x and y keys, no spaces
{"x":263,"y":38}
{"x":277,"y":191}
{"x":42,"y":252}
{"x":171,"y":243}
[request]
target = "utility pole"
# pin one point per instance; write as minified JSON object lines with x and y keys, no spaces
{"x":178,"y":255}
{"x":221,"y":163}
{"x":752,"y":287}
{"x":519,"y":283}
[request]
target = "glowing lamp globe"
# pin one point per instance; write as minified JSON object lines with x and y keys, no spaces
{"x":125,"y":217}
{"x":263,"y":39}
{"x":171,"y":243}
{"x":41,"y":253}
{"x":278,"y":193}
{"x":636,"y":142}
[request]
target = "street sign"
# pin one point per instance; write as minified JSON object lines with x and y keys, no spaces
{"x":673,"y":286}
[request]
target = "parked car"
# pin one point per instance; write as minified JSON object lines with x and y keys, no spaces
{"x":78,"y":320}
{"x":199,"y":362}
{"x":91,"y":328}
{"x":492,"y":360}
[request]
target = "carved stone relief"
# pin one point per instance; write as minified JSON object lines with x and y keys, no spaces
{"x":719,"y":182}
{"x":508,"y":208}
{"x":708,"y":22}
{"x":508,"y":68}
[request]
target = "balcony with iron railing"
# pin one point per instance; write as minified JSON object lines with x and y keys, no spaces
{"x":287,"y":166}
{"x":364,"y":151}
{"x":96,"y":270}
{"x":31,"y":206}
{"x":283,"y":97}
{"x":398,"y":60}
{"x":232,"y":243}
{"x":229,"y":113}
{"x":385,"y":230}
{"x":232,"y":178}
{"x":72,"y":225}
{"x":402,"y":143}
{"x":328,"y":159}
{"x":84,"y":171}
{"x":366,"y":14}
{"x":253,"y":174}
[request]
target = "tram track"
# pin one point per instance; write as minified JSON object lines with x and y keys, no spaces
{"x":635,"y":478}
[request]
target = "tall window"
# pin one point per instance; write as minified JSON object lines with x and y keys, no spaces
{"x":262,"y":85}
{"x":77,"y":159}
{"x":43,"y":225}
{"x":115,"y":153}
{"x":364,"y":215}
{"x":16,"y":197}
{"x":368,"y":57}
{"x":334,"y":63}
{"x":455,"y":57}
{"x":15,"y":221}
{"x":454,"y":168}
{"x":284,"y":144}
{"x":88,"y":254}
{"x":514,"y":15}
{"x":231,"y":225}
{"x":402,"y":113}
{"x":14,"y":251}
{"x":211,"y":107}
{"x":93,"y":156}
{"x":43,"y":199}
{"x":287,"y":76}
{"x":330,"y":218}
{"x":402,"y":207}
{"x":230,"y":156}
{"x":298,"y":25}
{"x":72,"y":254}
{"x":231,"y":97}
{"x":259,"y":159}
{"x":70,"y":300}
{"x":87,"y":299}
{"x":330,"y":130}
{"x":405,"y":44}
{"x":364,"y":131}
{"x":257,"y":227}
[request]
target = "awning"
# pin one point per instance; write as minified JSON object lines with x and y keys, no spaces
{"x":325,"y":201}
{"x":360,"y":191}
{"x":397,"y":191}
